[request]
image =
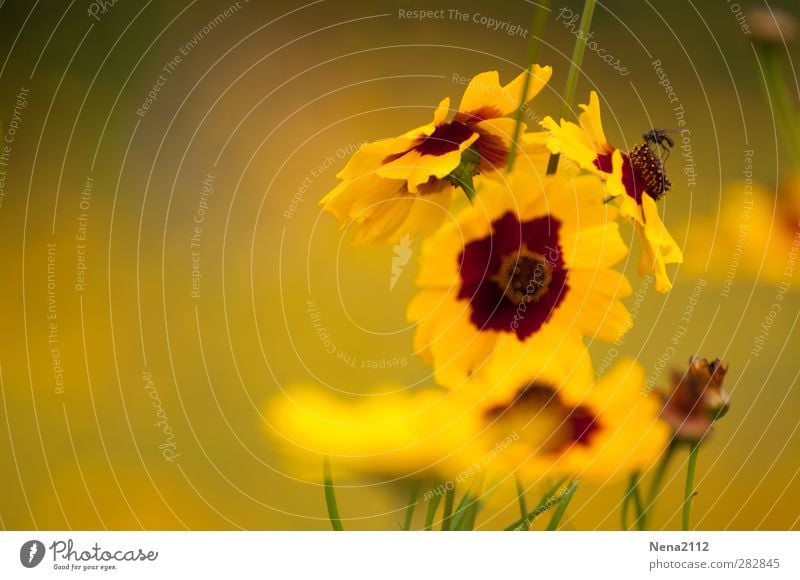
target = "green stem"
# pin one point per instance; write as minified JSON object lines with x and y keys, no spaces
{"x":641,"y":523}
{"x":658,"y":478}
{"x":632,"y":496}
{"x":412,"y":505}
{"x":537,"y":32}
{"x":572,"y":75}
{"x":523,"y":504}
{"x":562,"y":507}
{"x":777,"y":94}
{"x":525,"y":522}
{"x":330,"y":496}
{"x":449,"y":499}
{"x":462,"y":176}
{"x":626,"y":501}
{"x":431,"y":513}
{"x":688,"y":493}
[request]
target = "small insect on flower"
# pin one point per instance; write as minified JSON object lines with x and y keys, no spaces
{"x":648,"y":158}
{"x":636,"y":179}
{"x":660,"y":137}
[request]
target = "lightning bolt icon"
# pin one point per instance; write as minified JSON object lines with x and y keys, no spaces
{"x":34,"y":549}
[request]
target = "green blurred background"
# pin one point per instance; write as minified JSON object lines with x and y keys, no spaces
{"x":270,"y":100}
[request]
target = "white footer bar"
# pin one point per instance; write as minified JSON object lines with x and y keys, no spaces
{"x":390,"y":555}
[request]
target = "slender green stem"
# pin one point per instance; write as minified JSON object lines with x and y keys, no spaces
{"x":449,"y":499}
{"x":688,"y":493}
{"x":777,"y":93}
{"x":632,"y":496}
{"x":626,"y":501}
{"x":525,"y":522}
{"x":640,"y":522}
{"x":537,"y":32}
{"x":523,"y":504}
{"x":330,"y":496}
{"x":433,"y":504}
{"x":412,"y":505}
{"x":658,"y":477}
{"x":572,"y":75}
{"x":562,"y":506}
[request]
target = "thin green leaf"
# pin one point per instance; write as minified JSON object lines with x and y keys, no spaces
{"x":525,"y":522}
{"x":330,"y":496}
{"x":433,"y":504}
{"x":523,"y":504}
{"x":412,"y":505}
{"x":562,"y":506}
{"x":472,"y":514}
{"x":449,"y":499}
{"x":464,"y":516}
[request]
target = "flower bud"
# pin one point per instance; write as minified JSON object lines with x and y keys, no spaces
{"x":697,"y":400}
{"x":772,"y":25}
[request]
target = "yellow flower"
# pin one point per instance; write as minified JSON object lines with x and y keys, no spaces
{"x":390,"y":432}
{"x":403,"y":186}
{"x":636,"y":179}
{"x":528,"y":262}
{"x":537,"y":419}
{"x":756,"y":235}
{"x":541,"y":421}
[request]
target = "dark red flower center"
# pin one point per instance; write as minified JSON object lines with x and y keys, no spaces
{"x":524,"y":277}
{"x":445,"y":138}
{"x":642,"y":172}
{"x":449,"y":136}
{"x":540,"y":418}
{"x":515,"y":277}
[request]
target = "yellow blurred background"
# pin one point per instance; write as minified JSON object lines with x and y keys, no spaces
{"x":162,"y":241}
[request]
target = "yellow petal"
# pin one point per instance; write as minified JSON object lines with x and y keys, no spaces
{"x":591,"y":123}
{"x":552,"y":357}
{"x":416,"y":169}
{"x":592,"y":307}
{"x":599,"y":246}
{"x":658,"y":247}
{"x":571,"y":141}
{"x":485,"y":96}
{"x":439,"y":264}
{"x":459,"y":347}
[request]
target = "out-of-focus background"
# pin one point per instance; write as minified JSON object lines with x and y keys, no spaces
{"x":162,"y":245}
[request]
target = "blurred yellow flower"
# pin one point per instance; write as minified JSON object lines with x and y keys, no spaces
{"x":403,"y":186}
{"x":528,"y":262}
{"x":560,"y":422}
{"x":539,"y":418}
{"x":756,"y":235}
{"x":389,"y":432}
{"x":636,"y":179}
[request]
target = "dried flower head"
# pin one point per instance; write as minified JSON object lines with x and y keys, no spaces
{"x":697,"y":399}
{"x":772,"y":25}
